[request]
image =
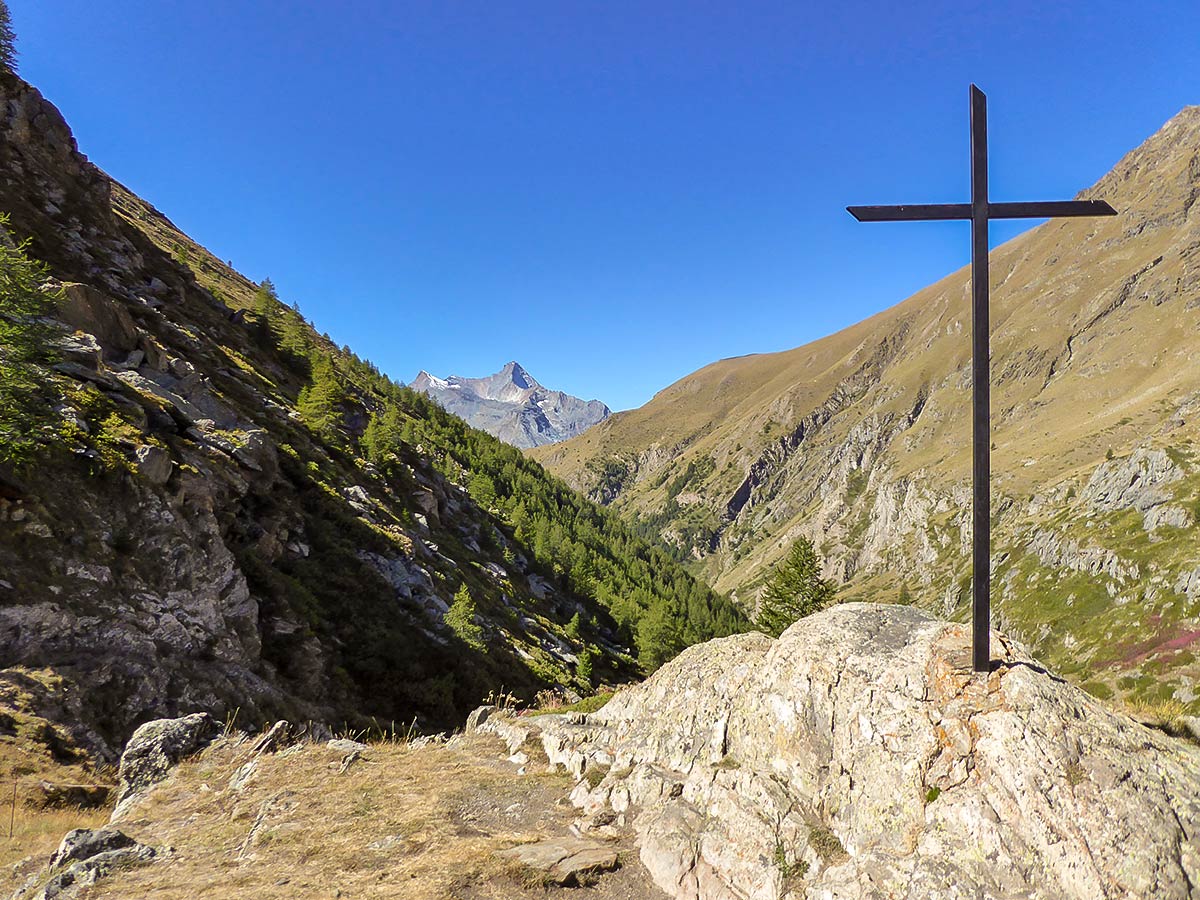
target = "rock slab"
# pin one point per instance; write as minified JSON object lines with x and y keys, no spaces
{"x":566,"y":860}
{"x":858,"y":756}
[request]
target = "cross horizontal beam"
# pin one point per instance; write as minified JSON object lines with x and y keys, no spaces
{"x":931,"y":212}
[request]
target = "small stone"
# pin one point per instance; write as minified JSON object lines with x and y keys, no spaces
{"x":154,"y":463}
{"x":345,"y":745}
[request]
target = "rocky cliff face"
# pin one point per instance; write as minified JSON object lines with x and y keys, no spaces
{"x":858,"y":756}
{"x":185,"y":542}
{"x":861,"y":442}
{"x":512,"y":406}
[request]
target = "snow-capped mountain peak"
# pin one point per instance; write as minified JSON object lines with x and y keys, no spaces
{"x":513,"y":405}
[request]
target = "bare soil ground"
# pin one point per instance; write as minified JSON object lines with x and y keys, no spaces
{"x":399,"y":822}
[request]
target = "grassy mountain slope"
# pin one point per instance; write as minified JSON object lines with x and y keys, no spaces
{"x":861,"y":441}
{"x":225,"y":511}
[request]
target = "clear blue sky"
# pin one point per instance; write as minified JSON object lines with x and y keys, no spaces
{"x":613,"y":193}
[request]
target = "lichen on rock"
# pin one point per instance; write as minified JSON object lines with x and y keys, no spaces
{"x":871,"y":761}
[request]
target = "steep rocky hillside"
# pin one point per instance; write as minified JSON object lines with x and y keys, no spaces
{"x":861,"y":441}
{"x":512,"y":406}
{"x":223,"y":511}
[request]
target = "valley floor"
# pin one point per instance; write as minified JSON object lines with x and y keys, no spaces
{"x":394,"y":821}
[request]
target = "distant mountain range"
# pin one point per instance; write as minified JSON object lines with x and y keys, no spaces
{"x":861,"y":442}
{"x":512,"y":406}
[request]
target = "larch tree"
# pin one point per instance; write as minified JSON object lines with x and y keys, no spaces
{"x":794,"y":590}
{"x":8,"y":40}
{"x":25,"y":343}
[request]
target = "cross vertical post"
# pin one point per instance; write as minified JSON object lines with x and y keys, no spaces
{"x":979,"y":211}
{"x":981,"y":473}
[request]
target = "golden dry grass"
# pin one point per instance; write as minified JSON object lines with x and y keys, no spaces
{"x":398,"y":823}
{"x":36,"y":832}
{"x":1166,"y":715}
{"x":36,"y":835}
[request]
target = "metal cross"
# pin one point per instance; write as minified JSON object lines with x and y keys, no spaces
{"x":979,"y":211}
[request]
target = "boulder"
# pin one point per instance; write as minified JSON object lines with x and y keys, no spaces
{"x":477,"y":717}
{"x":427,"y":503}
{"x":89,"y":310}
{"x":566,"y":860}
{"x":860,"y":756}
{"x":84,"y":843}
{"x":78,"y":796}
{"x":154,"y":463}
{"x":154,"y":749}
{"x":81,"y":348}
{"x":83,"y":858}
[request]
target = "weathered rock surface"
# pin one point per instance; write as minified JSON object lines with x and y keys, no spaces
{"x":154,"y":748}
{"x":1135,"y":482}
{"x":478,"y":716}
{"x":84,"y":857}
{"x":859,"y":757}
{"x":80,"y":796}
{"x":565,"y":860}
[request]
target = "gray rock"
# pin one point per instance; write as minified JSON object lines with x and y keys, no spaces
{"x":477,"y":717}
{"x":154,"y":463}
{"x":154,"y":749}
{"x":81,"y":348}
{"x":345,"y":745}
{"x":84,"y":843}
{"x":1169,"y":515}
{"x":862,"y":746}
{"x":1135,"y":482}
{"x":565,"y":860}
{"x":89,"y":310}
{"x":82,"y":859}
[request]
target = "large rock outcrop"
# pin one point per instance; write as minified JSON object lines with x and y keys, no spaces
{"x":858,"y":756}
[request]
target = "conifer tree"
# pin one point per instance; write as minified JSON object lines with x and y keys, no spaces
{"x":573,"y":627}
{"x":384,"y":433}
{"x":794,"y":590}
{"x":658,"y":637}
{"x":266,"y":309}
{"x":24,"y":343}
{"x":584,"y":670}
{"x":320,"y":403}
{"x":8,"y":39}
{"x":460,"y":618}
{"x":293,"y":337}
